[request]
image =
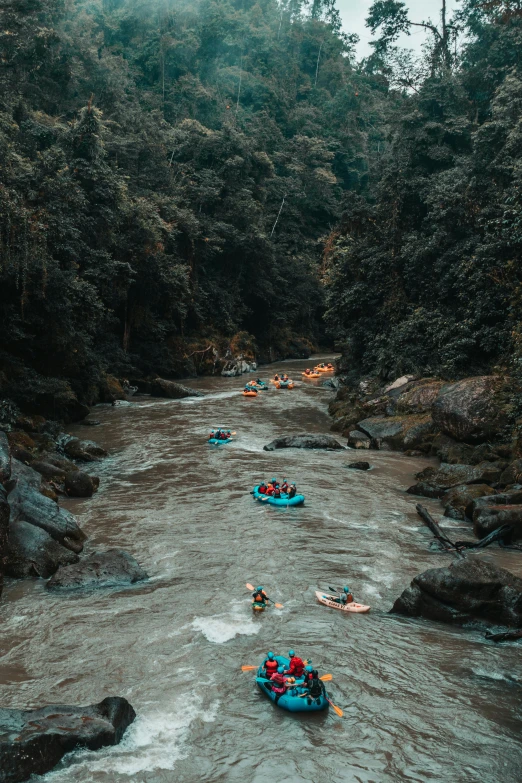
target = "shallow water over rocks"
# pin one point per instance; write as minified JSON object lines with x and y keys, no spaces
{"x":422,"y":702}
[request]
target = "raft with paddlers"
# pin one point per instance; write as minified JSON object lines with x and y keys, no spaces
{"x":324,"y":367}
{"x":284,"y":384}
{"x":284,"y":500}
{"x":311,"y":374}
{"x":249,"y":393}
{"x":216,"y":438}
{"x":258,"y":385}
{"x":329,"y":600}
{"x":296,"y":698}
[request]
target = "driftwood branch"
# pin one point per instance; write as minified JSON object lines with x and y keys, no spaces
{"x":506,"y":636}
{"x":426,"y":517}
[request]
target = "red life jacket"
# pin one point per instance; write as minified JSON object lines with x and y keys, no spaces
{"x":262,"y":489}
{"x":277,"y":492}
{"x":296,"y":666}
{"x":271,"y":667}
{"x":279,"y":681}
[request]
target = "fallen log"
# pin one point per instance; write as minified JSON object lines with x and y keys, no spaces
{"x":506,"y":636}
{"x":426,"y":517}
{"x":496,"y":535}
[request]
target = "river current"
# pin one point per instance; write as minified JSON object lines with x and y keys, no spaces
{"x":422,"y":702}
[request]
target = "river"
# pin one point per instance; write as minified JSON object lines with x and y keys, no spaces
{"x":421,"y":701}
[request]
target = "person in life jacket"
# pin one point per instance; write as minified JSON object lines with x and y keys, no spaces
{"x":284,"y":486}
{"x":277,"y":492}
{"x":276,"y":377}
{"x":292,"y":491}
{"x":270,"y":665}
{"x":259,"y":596}
{"x":262,"y":488}
{"x":278,"y":683}
{"x":345,"y":597}
{"x":312,"y":682}
{"x":308,"y":371}
{"x":297,"y":666}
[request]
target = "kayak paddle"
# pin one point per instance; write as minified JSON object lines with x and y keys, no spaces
{"x":249,"y":668}
{"x":277,"y":606}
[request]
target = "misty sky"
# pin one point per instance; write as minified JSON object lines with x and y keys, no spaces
{"x":354,"y":12}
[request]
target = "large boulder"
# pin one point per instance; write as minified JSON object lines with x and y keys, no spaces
{"x":32,"y":742}
{"x":491,"y":512}
{"x":5,"y":459}
{"x":99,"y":569}
{"x":31,"y":552}
{"x":512,"y":474}
{"x":396,"y":432}
{"x":49,"y":471}
{"x":111,"y":389}
{"x":472,"y":410}
{"x":418,"y":397}
{"x":29,"y":505}
{"x":80,"y":484}
{"x":468,"y":591}
{"x":83,"y":450}
{"x":434,"y":483}
{"x":457,"y":501}
{"x":174,"y":391}
{"x":304,"y":441}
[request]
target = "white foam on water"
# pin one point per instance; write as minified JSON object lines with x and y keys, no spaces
{"x":224,"y":627}
{"x":155,"y":741}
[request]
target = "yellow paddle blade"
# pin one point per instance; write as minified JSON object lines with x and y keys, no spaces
{"x":326,"y":678}
{"x":338,"y":711}
{"x":249,"y":587}
{"x":278,"y":606}
{"x":248,"y":668}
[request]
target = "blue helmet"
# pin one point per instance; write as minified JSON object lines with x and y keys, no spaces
{"x":273,"y":481}
{"x":308,"y":668}
{"x":291,"y":653}
{"x":259,"y":589}
{"x":280,"y":669}
{"x":270,"y":656}
{"x":346,"y":589}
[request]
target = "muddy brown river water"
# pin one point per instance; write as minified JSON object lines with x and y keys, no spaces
{"x":422,"y":702}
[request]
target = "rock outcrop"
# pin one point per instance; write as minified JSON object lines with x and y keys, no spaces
{"x":434,"y":483}
{"x":468,"y":591}
{"x":174,"y":391}
{"x":4,"y":531}
{"x":471,"y":410}
{"x":5,"y":459}
{"x":100,"y":569}
{"x":238,"y":366}
{"x":304,"y":441}
{"x":396,"y":432}
{"x":81,"y":485}
{"x":32,"y":552}
{"x":83,"y":450}
{"x":32,"y":742}
{"x":457,"y":501}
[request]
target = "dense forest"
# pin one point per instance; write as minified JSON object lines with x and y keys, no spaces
{"x":178,"y":175}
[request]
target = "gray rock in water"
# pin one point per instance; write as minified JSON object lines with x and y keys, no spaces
{"x":491,"y":512}
{"x":434,"y":483}
{"x":5,"y":459}
{"x":83,"y":450}
{"x":29,"y":505}
{"x":49,"y":471}
{"x":32,"y":552}
{"x":359,"y":465}
{"x":99,"y":569}
{"x":396,"y":432}
{"x":468,"y":591}
{"x":32,"y":742}
{"x":304,"y":441}
{"x":81,"y":485}
{"x":174,"y":391}
{"x":471,"y":410}
{"x":359,"y":440}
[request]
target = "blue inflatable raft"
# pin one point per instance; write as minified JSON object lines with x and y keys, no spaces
{"x":294,"y":700}
{"x":219,"y":442}
{"x":284,"y":500}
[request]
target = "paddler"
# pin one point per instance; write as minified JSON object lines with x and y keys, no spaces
{"x":262,"y":488}
{"x":259,"y":597}
{"x":296,"y":667}
{"x":345,"y":597}
{"x":292,"y":491}
{"x":278,"y":683}
{"x":312,"y":682}
{"x":270,"y":665}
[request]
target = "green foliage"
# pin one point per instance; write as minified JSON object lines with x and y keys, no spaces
{"x":424,"y":276}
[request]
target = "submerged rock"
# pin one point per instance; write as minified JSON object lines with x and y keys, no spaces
{"x":83,"y":450}
{"x":32,"y":742}
{"x":359,"y":465}
{"x":304,"y":441}
{"x":99,"y":569}
{"x":471,"y":410}
{"x":467,"y":591}
{"x":80,"y":485}
{"x":174,"y":391}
